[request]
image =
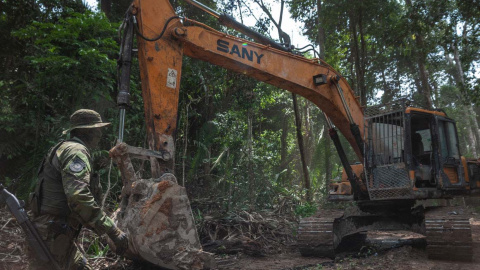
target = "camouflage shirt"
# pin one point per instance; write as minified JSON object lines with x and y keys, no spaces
{"x":72,"y":159}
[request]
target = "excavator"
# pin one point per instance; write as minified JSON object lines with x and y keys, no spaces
{"x":405,"y":153}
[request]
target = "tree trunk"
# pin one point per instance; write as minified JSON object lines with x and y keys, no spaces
{"x":321,"y":31}
{"x":474,"y":126}
{"x":327,"y":160}
{"x":251,"y":176}
{"x":185,"y":144}
{"x":363,"y":60}
{"x":355,"y":51}
{"x":426,"y":89}
{"x":283,"y":147}
{"x":308,"y":139}
{"x":388,"y":92}
{"x":327,"y":156}
{"x":472,"y":117}
{"x":472,"y":142}
{"x":469,"y":113}
{"x":283,"y":140}
{"x":209,"y":113}
{"x":414,"y":73}
{"x":298,"y":124}
{"x":282,"y":36}
{"x":421,"y":57}
{"x":436,"y":93}
{"x":477,"y":113}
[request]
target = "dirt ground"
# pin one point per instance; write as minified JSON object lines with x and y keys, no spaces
{"x":12,"y":257}
{"x":403,"y":258}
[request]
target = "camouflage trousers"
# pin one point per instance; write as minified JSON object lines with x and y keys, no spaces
{"x":60,"y":239}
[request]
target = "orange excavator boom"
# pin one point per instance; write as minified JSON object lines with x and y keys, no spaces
{"x":161,"y":62}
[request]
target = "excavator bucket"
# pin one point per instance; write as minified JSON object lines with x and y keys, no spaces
{"x":157,"y":216}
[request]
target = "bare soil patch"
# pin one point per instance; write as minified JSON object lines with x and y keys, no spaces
{"x":282,"y":255}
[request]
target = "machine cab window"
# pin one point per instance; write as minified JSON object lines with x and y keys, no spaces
{"x":448,"y":142}
{"x":422,"y":149}
{"x":421,"y":136}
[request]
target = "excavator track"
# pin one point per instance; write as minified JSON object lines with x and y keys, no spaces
{"x":449,"y":236}
{"x":316,"y":235}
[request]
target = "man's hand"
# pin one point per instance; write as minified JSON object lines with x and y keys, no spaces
{"x":120,"y":239}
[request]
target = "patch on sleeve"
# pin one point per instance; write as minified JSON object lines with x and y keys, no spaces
{"x":77,"y":165}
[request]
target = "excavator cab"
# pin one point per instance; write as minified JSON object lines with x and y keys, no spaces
{"x":412,"y":153}
{"x":435,"y":161}
{"x":436,"y":158}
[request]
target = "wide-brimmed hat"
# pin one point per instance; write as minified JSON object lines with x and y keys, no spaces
{"x":85,"y":118}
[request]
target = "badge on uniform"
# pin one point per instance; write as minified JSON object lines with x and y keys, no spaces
{"x":77,"y":165}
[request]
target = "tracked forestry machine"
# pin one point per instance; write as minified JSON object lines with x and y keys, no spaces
{"x":410,"y":154}
{"x":405,"y":153}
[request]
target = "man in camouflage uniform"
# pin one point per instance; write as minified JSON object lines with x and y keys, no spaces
{"x":64,"y":198}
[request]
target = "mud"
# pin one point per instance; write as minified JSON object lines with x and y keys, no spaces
{"x":405,"y":257}
{"x":384,"y":250}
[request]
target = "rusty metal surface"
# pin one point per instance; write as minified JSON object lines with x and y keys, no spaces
{"x":447,"y":230}
{"x":332,"y":232}
{"x":449,"y":234}
{"x":316,"y":236}
{"x":387,"y":174}
{"x":141,"y":153}
{"x":157,"y":216}
{"x":160,"y":70}
{"x":390,"y":182}
{"x":161,"y":228}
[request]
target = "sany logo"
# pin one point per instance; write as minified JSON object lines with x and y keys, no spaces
{"x":224,"y":46}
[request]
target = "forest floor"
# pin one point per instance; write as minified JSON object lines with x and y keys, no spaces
{"x":282,"y":255}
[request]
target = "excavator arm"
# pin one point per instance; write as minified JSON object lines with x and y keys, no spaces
{"x":153,"y":210}
{"x":163,"y":39}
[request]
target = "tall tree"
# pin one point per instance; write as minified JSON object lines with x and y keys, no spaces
{"x":327,"y":161}
{"x":59,"y":42}
{"x":304,"y":156}
{"x":298,"y":124}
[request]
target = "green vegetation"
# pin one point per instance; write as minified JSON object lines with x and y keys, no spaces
{"x":306,"y":210}
{"x":96,"y":249}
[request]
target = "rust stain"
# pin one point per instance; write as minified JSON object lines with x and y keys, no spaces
{"x":161,"y":187}
{"x":166,"y":207}
{"x":161,"y":229}
{"x":197,"y":264}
